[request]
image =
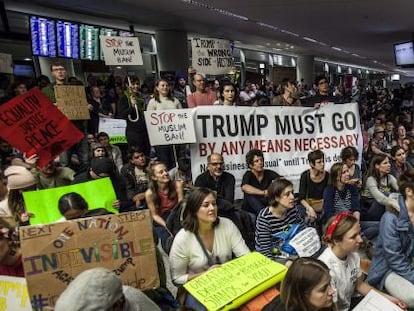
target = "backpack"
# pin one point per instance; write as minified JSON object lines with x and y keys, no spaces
{"x":283,"y":238}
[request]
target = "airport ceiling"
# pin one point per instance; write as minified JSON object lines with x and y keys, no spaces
{"x":359,"y":32}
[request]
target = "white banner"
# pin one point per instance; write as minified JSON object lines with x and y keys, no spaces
{"x":285,"y":135}
{"x":115,"y":128}
{"x":211,"y":56}
{"x":168,"y":127}
{"x":13,"y":294}
{"x":121,"y":51}
{"x":6,"y":63}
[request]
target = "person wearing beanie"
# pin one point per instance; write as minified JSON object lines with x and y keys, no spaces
{"x":100,"y":289}
{"x":97,"y":150}
{"x":19,"y":179}
{"x":10,"y":255}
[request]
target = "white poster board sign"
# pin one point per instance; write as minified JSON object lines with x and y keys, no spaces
{"x":169,"y":127}
{"x":374,"y":301}
{"x":115,"y":128}
{"x":6,"y":63}
{"x":121,"y":51}
{"x":13,"y":294}
{"x":285,"y":135}
{"x":211,"y":56}
{"x":306,"y":243}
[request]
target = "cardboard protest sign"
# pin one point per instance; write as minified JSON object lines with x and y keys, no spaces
{"x":285,"y":135}
{"x":44,"y":203}
{"x":71,"y":100}
{"x":6,"y":63}
{"x":168,"y":127}
{"x":13,"y":294}
{"x":121,"y":51}
{"x":211,"y":56}
{"x":53,"y":255}
{"x":236,"y":282}
{"x":32,"y":124}
{"x":115,"y":128}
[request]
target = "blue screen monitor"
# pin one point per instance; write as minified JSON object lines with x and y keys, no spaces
{"x":67,"y":39}
{"x":43,"y":35}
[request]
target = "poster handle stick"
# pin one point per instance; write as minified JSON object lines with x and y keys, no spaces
{"x":135,"y":106}
{"x":175,"y":155}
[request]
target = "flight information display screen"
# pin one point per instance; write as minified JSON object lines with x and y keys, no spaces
{"x":89,"y":42}
{"x":67,"y":39}
{"x":43,"y":35}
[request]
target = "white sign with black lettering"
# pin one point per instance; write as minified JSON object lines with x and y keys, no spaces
{"x":306,"y":243}
{"x":169,"y":127}
{"x":211,"y":56}
{"x":121,"y":51}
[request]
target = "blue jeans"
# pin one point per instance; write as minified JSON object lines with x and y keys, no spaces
{"x":370,"y":229}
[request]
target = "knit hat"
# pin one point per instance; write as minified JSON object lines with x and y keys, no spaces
{"x":102,"y":165}
{"x":92,"y":290}
{"x":95,"y":146}
{"x":18,"y":177}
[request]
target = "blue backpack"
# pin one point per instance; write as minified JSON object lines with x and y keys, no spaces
{"x":283,"y":238}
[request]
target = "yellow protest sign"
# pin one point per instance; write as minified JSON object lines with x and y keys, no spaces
{"x":13,"y":294}
{"x":236,"y":282}
{"x":71,"y":100}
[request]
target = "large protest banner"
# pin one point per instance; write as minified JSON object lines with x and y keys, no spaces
{"x":53,"y":255}
{"x":211,"y":56}
{"x":71,"y":100}
{"x":121,"y":51}
{"x":285,"y":135}
{"x":32,"y":124}
{"x":168,"y":127}
{"x":13,"y":294}
{"x":236,"y":282}
{"x":115,"y":128}
{"x":44,"y":203}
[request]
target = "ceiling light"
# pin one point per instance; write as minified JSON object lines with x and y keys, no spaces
{"x":309,"y":39}
{"x":292,"y":47}
{"x":335,"y":48}
{"x":27,"y":59}
{"x":267,"y":26}
{"x":289,"y":32}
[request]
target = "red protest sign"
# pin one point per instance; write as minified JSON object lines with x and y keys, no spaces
{"x":31,"y":123}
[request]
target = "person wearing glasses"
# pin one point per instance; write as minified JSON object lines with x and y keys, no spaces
{"x":255,"y":182}
{"x":216,"y":179}
{"x":323,"y":95}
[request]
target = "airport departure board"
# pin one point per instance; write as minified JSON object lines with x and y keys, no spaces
{"x":67,"y":39}
{"x":89,"y":42}
{"x":43,"y":36}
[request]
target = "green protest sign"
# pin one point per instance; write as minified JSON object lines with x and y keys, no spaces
{"x":44,"y":203}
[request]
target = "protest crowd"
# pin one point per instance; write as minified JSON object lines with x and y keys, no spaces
{"x":361,"y":210}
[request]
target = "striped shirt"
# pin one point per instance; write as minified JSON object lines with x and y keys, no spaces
{"x":267,"y":225}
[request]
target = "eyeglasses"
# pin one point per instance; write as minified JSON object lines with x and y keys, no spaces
{"x":216,"y":163}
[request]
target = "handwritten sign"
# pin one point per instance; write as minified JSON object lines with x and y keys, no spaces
{"x":53,"y":255}
{"x":115,"y":128}
{"x":285,"y":135}
{"x":44,"y":203}
{"x":71,"y":100}
{"x":32,"y":124}
{"x":121,"y":51}
{"x":307,"y":242}
{"x":211,"y":56}
{"x":236,"y":281}
{"x":168,"y":127}
{"x":6,"y":63}
{"x":13,"y":294}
